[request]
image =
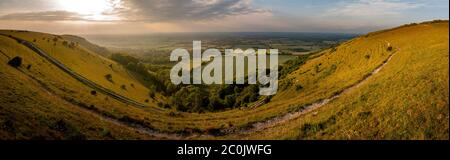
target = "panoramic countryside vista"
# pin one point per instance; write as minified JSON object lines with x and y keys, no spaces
{"x":169,"y":70}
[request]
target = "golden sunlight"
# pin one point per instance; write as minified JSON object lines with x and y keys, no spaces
{"x":90,"y":9}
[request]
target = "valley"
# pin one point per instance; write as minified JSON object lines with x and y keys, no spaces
{"x":390,"y":84}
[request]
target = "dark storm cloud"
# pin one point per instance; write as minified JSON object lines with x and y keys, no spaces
{"x":184,"y":10}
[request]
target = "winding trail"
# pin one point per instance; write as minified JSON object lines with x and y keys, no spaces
{"x":75,"y":75}
{"x":134,"y":126}
{"x":257,"y":126}
{"x":307,"y":109}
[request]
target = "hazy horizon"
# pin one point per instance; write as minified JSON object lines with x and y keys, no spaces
{"x":84,"y":17}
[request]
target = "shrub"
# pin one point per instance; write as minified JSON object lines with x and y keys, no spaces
{"x":152,"y":94}
{"x":109,"y":78}
{"x":174,"y":114}
{"x":29,"y":67}
{"x":389,"y":48}
{"x":230,"y":101}
{"x":106,"y":133}
{"x":367,"y":56}
{"x":72,"y":45}
{"x":15,"y":62}
{"x":214,"y":132}
{"x":298,"y":87}
{"x":123,"y":87}
{"x":167,"y":106}
{"x":94,"y":93}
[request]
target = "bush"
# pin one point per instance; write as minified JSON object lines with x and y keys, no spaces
{"x":230,"y":101}
{"x":167,"y":106}
{"x":15,"y":62}
{"x":389,"y":48}
{"x":298,"y":87}
{"x":94,"y":93}
{"x":109,"y":78}
{"x":152,"y":94}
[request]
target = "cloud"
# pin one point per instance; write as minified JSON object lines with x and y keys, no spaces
{"x":44,"y":16}
{"x":372,"y":8}
{"x":185,"y":10}
{"x":152,"y":11}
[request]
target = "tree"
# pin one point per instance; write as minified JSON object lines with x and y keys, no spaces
{"x":389,"y":48}
{"x":15,"y":62}
{"x":109,"y":78}
{"x":230,"y":100}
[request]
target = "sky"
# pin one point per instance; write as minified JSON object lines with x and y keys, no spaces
{"x":154,"y":16}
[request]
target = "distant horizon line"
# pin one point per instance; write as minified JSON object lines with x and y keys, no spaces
{"x":231,"y":32}
{"x":227,"y":32}
{"x":193,"y":32}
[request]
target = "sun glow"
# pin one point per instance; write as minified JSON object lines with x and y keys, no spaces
{"x":91,"y":9}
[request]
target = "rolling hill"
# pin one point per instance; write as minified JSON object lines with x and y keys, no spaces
{"x":391,"y":84}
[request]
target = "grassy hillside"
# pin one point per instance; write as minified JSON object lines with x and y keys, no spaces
{"x":33,"y":102}
{"x":90,"y":46}
{"x":406,"y":99}
{"x":73,"y":53}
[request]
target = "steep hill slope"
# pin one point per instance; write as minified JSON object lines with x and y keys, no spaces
{"x":406,"y":99}
{"x":88,"y":45}
{"x":390,"y":84}
{"x":86,"y":63}
{"x":34,"y":102}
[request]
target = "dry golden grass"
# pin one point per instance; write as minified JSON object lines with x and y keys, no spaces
{"x":408,"y":99}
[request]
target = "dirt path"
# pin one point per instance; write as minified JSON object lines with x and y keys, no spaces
{"x":76,"y":75}
{"x":307,"y":109}
{"x":137,"y":127}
